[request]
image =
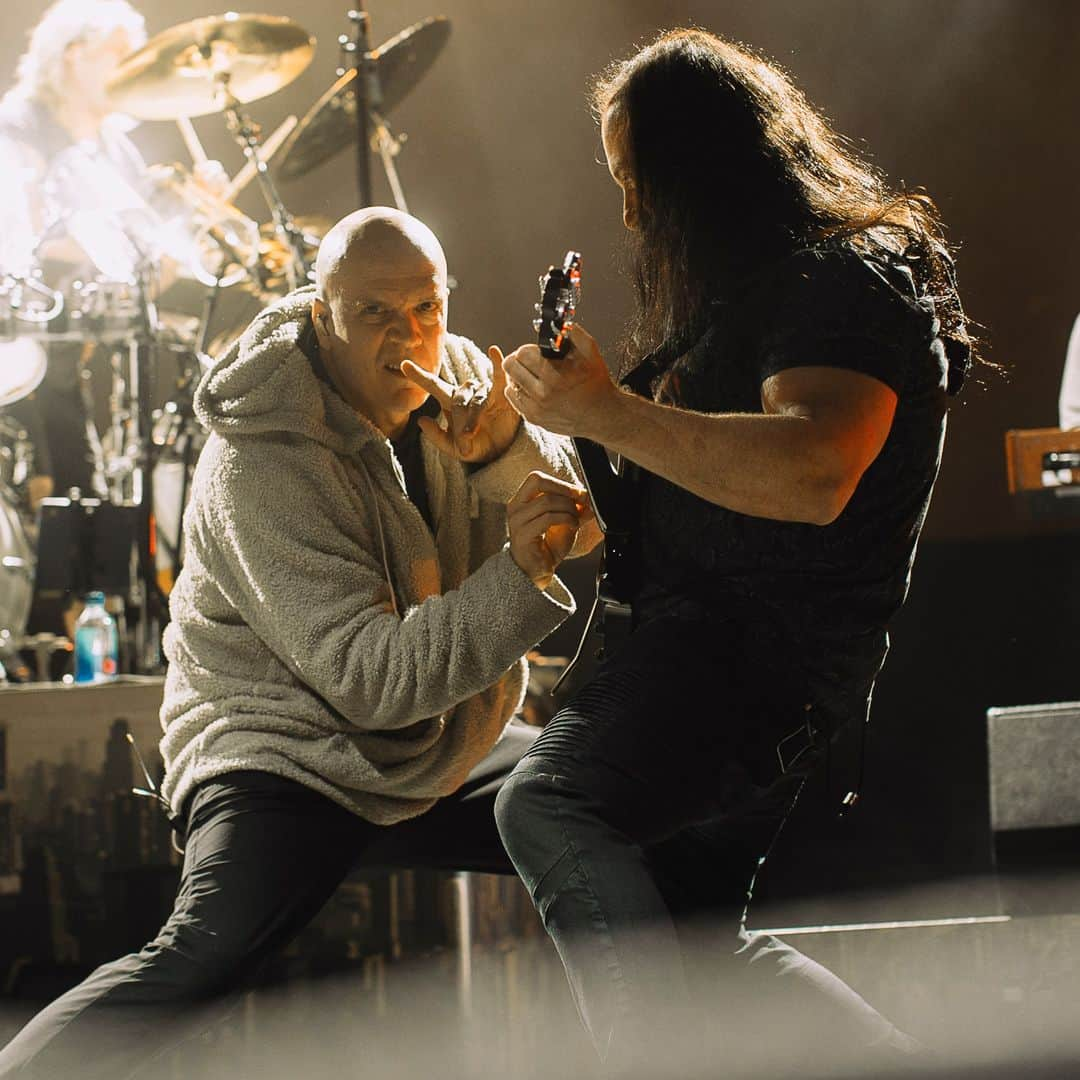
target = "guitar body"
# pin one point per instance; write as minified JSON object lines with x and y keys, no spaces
{"x":610,"y":492}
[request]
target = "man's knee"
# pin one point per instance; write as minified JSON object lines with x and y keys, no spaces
{"x":539,"y":830}
{"x":527,"y":812}
{"x":187,"y":962}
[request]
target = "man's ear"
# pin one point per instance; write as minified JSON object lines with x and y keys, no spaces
{"x":320,"y":316}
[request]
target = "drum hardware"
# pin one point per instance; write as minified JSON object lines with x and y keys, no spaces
{"x":217,"y":64}
{"x":102,"y":308}
{"x":246,"y":133}
{"x":27,"y":305}
{"x":179,"y":438}
{"x":367,"y":93}
{"x":22,"y":367}
{"x":369,"y":101}
{"x":217,"y":242}
{"x":204,"y":66}
{"x":124,"y":236}
{"x":390,"y":72}
{"x":16,"y":456}
{"x":16,"y":577}
{"x":273,"y":142}
{"x":44,"y":646}
{"x":270,"y":270}
{"x":88,"y":544}
{"x":129,"y":470}
{"x":27,"y":299}
{"x":12,"y":666}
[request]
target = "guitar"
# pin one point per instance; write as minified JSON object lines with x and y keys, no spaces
{"x":610,"y":489}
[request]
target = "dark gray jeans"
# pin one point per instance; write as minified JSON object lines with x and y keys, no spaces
{"x":637,"y":821}
{"x":263,"y":854}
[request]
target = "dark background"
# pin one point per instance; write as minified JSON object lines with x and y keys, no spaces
{"x":973,"y":99}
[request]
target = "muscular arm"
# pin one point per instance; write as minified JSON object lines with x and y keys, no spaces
{"x":799,"y":460}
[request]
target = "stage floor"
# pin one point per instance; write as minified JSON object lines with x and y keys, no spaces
{"x":993,"y":993}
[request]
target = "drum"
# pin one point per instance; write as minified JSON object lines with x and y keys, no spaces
{"x":16,"y":554}
{"x":16,"y":456}
{"x":26,"y":306}
{"x":16,"y":573}
{"x":104,"y":307}
{"x":22,"y":367}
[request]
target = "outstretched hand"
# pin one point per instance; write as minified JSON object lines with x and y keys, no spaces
{"x":476,"y":425}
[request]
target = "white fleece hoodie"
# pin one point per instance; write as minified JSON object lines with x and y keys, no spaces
{"x":319,"y":631}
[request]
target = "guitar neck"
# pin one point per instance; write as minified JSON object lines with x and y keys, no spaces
{"x":602,"y":482}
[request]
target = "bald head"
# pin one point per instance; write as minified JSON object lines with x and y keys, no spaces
{"x":380,"y":299}
{"x":375,"y":238}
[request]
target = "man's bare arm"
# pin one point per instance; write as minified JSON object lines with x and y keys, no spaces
{"x":799,"y":460}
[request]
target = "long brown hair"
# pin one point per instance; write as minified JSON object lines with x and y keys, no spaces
{"x":734,"y":169}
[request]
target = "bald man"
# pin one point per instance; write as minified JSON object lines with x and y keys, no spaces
{"x":345,"y":651}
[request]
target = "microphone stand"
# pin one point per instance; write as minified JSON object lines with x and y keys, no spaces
{"x":368,"y":95}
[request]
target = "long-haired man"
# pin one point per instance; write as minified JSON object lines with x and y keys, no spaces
{"x":797,"y":337}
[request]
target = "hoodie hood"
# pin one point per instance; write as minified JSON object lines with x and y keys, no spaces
{"x":265,"y":384}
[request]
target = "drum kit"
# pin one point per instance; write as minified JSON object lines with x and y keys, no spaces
{"x":174,"y":224}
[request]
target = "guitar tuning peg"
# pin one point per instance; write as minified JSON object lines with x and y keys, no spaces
{"x":537,"y":323}
{"x":538,"y":308}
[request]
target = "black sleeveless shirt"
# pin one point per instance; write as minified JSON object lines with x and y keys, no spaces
{"x":817,"y":597}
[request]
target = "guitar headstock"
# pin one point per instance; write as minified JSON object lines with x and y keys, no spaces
{"x":560,"y":289}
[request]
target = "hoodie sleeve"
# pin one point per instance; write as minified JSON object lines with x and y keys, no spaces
{"x":533,"y":449}
{"x":300,"y":562}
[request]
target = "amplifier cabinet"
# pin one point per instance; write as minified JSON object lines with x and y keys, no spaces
{"x":1034,"y":758}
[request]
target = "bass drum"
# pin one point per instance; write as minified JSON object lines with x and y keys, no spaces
{"x":16,"y":574}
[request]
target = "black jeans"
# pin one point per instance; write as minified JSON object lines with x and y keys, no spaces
{"x":263,"y":854}
{"x":638,"y":820}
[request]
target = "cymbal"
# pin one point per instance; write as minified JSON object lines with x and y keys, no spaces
{"x":184,"y":71}
{"x":330,"y":124}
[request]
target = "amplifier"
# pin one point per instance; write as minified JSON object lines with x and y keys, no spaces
{"x":1034,"y":753}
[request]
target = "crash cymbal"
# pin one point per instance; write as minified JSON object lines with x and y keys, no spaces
{"x":330,"y":124}
{"x":184,"y":71}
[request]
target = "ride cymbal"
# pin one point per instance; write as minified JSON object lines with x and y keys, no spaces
{"x":193,"y":68}
{"x":330,"y":124}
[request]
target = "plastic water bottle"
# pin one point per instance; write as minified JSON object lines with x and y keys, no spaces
{"x":96,"y":643}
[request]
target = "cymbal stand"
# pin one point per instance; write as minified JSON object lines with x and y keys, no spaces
{"x":178,"y":434}
{"x":389,"y":147}
{"x":130,"y":472}
{"x":148,"y":597}
{"x":357,"y":54}
{"x":206,"y":317}
{"x":368,"y":94}
{"x":129,"y":401}
{"x":246,"y":132}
